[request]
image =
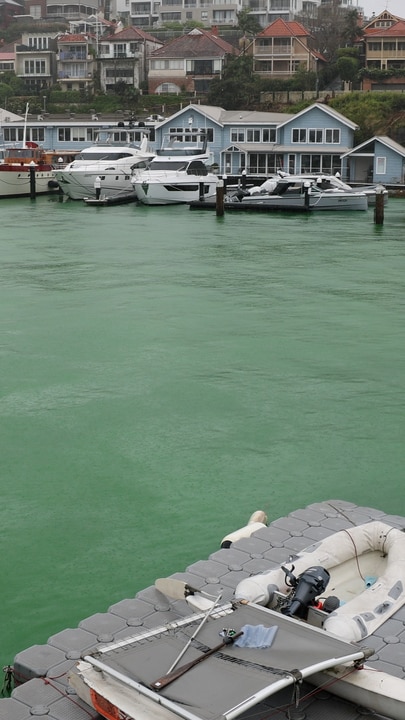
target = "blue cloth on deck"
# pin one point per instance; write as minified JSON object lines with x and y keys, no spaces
{"x":256,"y":636}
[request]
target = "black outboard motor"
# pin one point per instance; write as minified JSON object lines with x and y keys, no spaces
{"x":311,"y":583}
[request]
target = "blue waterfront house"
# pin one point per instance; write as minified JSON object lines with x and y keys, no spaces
{"x":261,"y":143}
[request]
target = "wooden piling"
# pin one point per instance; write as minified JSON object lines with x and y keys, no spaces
{"x":379,"y":208}
{"x":32,"y":181}
{"x":220,"y":194}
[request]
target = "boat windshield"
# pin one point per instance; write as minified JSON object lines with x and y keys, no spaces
{"x":23,"y":153}
{"x":168,"y":165}
{"x":103,"y":155}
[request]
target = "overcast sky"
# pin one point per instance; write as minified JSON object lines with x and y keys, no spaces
{"x":397,"y":7}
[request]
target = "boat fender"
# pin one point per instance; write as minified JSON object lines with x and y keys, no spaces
{"x":53,"y":184}
{"x":252,"y":591}
{"x":257,"y":521}
{"x":330,"y":604}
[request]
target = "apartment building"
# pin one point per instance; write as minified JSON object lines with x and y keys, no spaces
{"x":123,"y":57}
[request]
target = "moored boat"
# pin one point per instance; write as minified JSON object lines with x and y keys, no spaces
{"x":323,"y":181}
{"x":25,"y":171}
{"x":43,"y":668}
{"x":111,"y":159}
{"x":178,"y":174}
{"x":281,"y":627}
{"x":292,"y":192}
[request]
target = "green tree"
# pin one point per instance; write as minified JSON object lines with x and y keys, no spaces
{"x":238,"y":88}
{"x":348,"y":68}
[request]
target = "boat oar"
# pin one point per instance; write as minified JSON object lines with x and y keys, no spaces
{"x":165,"y":680}
{"x":188,"y":643}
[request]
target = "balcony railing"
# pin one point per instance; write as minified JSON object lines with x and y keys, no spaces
{"x":67,"y":55}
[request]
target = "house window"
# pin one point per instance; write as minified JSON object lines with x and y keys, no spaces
{"x":237,"y":135}
{"x":264,"y":163}
{"x":64,"y":134}
{"x":37,"y":134}
{"x":315,"y":135}
{"x":38,"y":43}
{"x":329,"y":164}
{"x":13,"y":134}
{"x":120,"y":50}
{"x":34,"y":67}
{"x":269,"y":135}
{"x":190,"y":134}
{"x":332,"y":135}
{"x":299,"y":135}
{"x":381,"y":165}
{"x":253,"y":136}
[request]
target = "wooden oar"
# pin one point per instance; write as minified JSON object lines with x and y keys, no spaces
{"x":165,"y":680}
{"x":188,"y":643}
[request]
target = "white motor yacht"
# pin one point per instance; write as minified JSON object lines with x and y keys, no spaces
{"x":111,"y":159}
{"x":178,"y":174}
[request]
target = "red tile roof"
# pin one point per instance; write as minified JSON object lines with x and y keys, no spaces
{"x":395,"y":30}
{"x":197,"y":43}
{"x":130,"y":33}
{"x":282,"y":28}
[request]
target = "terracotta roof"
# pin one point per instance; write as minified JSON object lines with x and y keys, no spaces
{"x":282,"y":28}
{"x":130,"y":33}
{"x":197,"y":43}
{"x":395,"y":30}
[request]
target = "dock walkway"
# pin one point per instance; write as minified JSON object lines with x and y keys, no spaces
{"x":42,"y":670}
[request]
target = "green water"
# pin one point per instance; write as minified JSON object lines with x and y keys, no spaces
{"x":164,"y":373}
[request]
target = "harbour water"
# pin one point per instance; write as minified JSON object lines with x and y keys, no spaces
{"x":167,"y":372}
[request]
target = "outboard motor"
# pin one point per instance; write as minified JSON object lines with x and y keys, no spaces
{"x":306,"y":587}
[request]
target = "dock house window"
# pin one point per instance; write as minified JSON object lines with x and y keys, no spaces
{"x":299,"y":135}
{"x":381,"y":165}
{"x":13,"y":134}
{"x":253,"y":136}
{"x":332,"y":135}
{"x":269,"y":135}
{"x":237,"y":135}
{"x":329,"y":164}
{"x":315,"y":135}
{"x":264,"y":163}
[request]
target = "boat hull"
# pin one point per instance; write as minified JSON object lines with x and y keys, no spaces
{"x":332,"y":202}
{"x":79,"y":184}
{"x":15,"y":181}
{"x":175,"y":190}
